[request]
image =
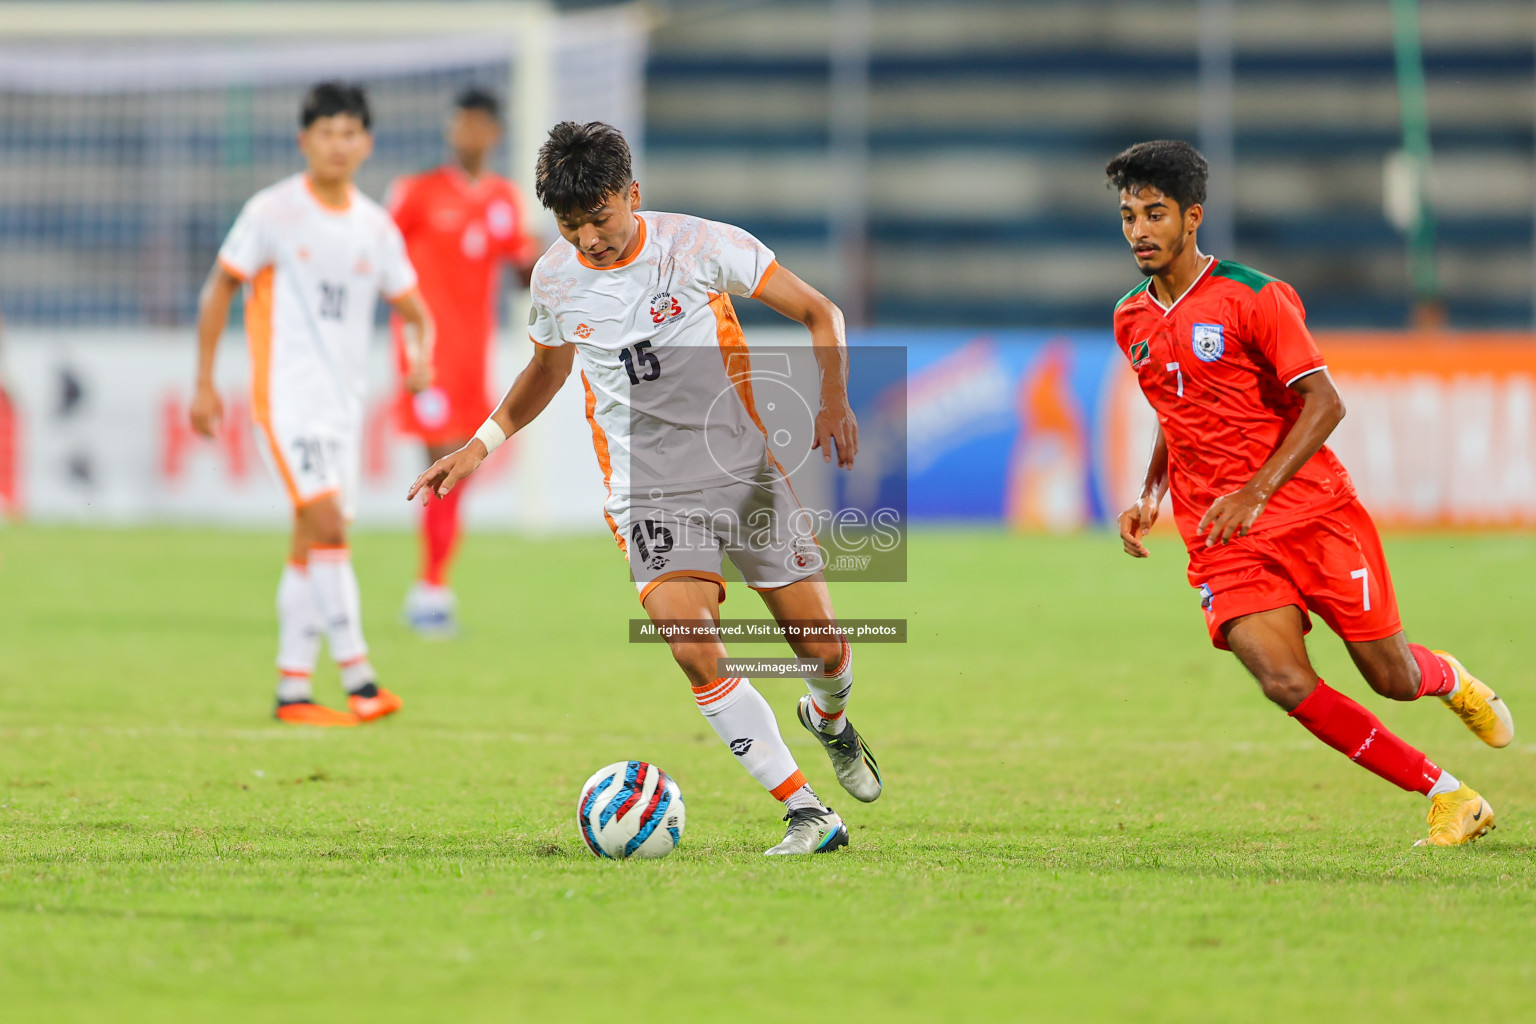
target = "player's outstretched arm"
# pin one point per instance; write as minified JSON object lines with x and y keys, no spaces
{"x":420,"y":336}
{"x":1138,"y":519}
{"x":1232,"y":515}
{"x":529,"y":395}
{"x":212,"y":314}
{"x":789,"y":296}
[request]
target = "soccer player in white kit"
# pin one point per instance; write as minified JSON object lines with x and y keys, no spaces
{"x":643,"y":300}
{"x":314,"y":254}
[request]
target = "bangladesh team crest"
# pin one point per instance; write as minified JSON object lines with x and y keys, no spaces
{"x":1140,"y":353}
{"x":1207,"y":341}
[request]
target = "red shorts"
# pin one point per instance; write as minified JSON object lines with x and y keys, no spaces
{"x":1331,"y":565}
{"x":446,"y":411}
{"x":453,"y":408}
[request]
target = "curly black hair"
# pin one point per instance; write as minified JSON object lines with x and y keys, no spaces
{"x":327,"y":99}
{"x":580,"y":166}
{"x":1174,"y":168}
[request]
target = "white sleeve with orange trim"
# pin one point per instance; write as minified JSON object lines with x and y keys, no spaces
{"x":743,"y":265}
{"x":247,"y":248}
{"x":396,"y":275}
{"x":549,"y":291}
{"x":543,"y":328}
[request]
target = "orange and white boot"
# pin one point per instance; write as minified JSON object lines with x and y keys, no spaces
{"x":373,"y":702}
{"x":307,"y":712}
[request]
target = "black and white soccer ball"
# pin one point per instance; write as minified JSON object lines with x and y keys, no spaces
{"x":630,"y":809}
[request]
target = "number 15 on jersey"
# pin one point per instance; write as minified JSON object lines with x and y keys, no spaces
{"x":644,"y":358}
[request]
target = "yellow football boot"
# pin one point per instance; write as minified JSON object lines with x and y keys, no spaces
{"x":1478,"y":706}
{"x":1456,"y":818}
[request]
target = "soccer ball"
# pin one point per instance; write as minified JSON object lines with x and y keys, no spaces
{"x":630,"y":809}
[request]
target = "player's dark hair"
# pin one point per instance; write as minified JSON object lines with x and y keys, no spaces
{"x":476,"y":98}
{"x":580,"y":166}
{"x":327,"y":99}
{"x":1174,"y":168}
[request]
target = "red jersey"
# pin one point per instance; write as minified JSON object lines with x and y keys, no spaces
{"x":1217,"y":367}
{"x":457,"y":233}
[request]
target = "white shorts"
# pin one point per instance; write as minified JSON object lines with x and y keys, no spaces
{"x":760,"y":525}
{"x":312,"y":459}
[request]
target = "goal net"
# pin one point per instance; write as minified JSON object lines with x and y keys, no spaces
{"x":131,"y":133}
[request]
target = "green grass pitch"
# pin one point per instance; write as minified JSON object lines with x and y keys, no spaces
{"x":1089,"y":814}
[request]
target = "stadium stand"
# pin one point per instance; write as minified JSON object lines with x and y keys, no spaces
{"x":990,"y":123}
{"x":112,"y":204}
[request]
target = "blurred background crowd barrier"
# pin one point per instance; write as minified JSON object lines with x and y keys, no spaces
{"x":936,"y":168}
{"x":1042,"y":430}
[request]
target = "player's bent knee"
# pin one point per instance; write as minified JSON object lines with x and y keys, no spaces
{"x":828,"y":651}
{"x":332,"y":537}
{"x":699,"y":662}
{"x":1394,"y":681}
{"x":328,"y":534}
{"x":1288,"y":687}
{"x":323,"y":524}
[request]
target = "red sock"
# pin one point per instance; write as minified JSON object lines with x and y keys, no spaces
{"x":439,"y":533}
{"x":1359,"y":735}
{"x":1436,"y":678}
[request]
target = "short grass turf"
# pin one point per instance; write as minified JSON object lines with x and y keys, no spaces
{"x":1089,"y":814}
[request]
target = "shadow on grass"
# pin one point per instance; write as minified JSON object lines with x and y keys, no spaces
{"x":175,"y":621}
{"x":1251,"y":858}
{"x":354,"y":844}
{"x":185,"y":916}
{"x":1265,"y":860}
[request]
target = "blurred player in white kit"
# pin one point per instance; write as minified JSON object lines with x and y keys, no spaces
{"x":314,"y":255}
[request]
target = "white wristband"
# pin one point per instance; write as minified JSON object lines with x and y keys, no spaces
{"x":491,"y":435}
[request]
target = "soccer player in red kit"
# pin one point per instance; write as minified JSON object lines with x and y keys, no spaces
{"x":1274,"y":530}
{"x":461,"y":223}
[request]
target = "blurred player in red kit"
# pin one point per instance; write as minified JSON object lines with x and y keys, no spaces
{"x":461,"y":223}
{"x":1274,"y":530}
{"x":10,"y":494}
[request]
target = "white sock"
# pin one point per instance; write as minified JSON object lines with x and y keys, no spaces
{"x":804,"y":798}
{"x":742,"y":718}
{"x":356,"y":675}
{"x":298,"y":633}
{"x":334,"y":586}
{"x":829,"y":695}
{"x":292,"y":687}
{"x":430,"y":595}
{"x":1446,"y":783}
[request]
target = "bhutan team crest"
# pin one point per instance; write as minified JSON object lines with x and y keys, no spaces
{"x":664,"y":309}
